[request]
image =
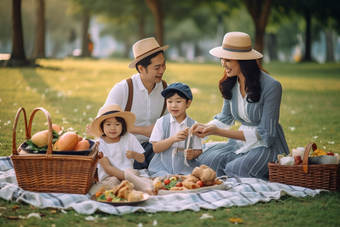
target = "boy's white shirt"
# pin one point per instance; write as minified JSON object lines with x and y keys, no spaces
{"x":115,"y":152}
{"x":157,"y":133}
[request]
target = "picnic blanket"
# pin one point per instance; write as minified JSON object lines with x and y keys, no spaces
{"x":239,"y":192}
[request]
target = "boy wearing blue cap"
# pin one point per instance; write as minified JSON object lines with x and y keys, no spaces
{"x":175,"y":149}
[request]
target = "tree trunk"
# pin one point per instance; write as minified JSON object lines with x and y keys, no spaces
{"x":180,"y":50}
{"x":85,"y":44}
{"x":126,"y":49}
{"x":272,"y":46}
{"x":141,"y":26}
{"x":18,"y":52}
{"x":259,"y":11}
{"x":329,"y":45}
{"x":308,"y":39}
{"x":156,"y":8}
{"x":39,"y":47}
{"x":198,"y":51}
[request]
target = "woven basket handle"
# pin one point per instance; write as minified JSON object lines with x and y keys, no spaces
{"x":50,"y":132}
{"x":100,"y":154}
{"x":306,"y":155}
{"x":27,"y":136}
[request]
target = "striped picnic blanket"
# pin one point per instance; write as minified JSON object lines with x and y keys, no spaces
{"x":239,"y":192}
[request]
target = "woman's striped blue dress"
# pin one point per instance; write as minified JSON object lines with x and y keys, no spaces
{"x":264,"y":115}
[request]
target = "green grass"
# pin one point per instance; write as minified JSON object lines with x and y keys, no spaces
{"x":73,"y":91}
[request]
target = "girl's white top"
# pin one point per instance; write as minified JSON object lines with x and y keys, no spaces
{"x":115,"y":152}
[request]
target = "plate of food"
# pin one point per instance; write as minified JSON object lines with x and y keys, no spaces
{"x":201,"y":179}
{"x":121,"y":195}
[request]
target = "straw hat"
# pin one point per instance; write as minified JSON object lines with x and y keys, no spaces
{"x":109,"y":111}
{"x":144,"y":48}
{"x":236,"y":46}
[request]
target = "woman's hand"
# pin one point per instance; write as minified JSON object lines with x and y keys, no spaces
{"x":203,"y":130}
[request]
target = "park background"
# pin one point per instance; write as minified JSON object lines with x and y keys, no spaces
{"x":298,"y":38}
{"x":288,"y":31}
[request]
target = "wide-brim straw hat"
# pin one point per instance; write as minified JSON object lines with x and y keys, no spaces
{"x":144,"y":48}
{"x":109,"y":111}
{"x":236,"y":46}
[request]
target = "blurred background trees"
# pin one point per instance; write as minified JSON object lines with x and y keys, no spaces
{"x":296,"y":30}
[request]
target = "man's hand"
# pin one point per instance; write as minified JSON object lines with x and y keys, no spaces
{"x":148,"y":130}
{"x":145,"y":131}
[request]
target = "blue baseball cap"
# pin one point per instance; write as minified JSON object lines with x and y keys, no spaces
{"x":178,"y":87}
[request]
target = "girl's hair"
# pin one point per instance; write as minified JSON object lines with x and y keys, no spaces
{"x":252,"y":73}
{"x":179,"y":93}
{"x":119,"y":119}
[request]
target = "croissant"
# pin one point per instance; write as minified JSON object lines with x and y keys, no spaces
{"x":190,"y":185}
{"x":123,"y":184}
{"x":124,"y":192}
{"x":135,"y":196}
{"x":204,"y":173}
{"x":178,"y":189}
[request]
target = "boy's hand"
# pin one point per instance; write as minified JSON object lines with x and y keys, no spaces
{"x":190,"y":154}
{"x":129,"y":154}
{"x":181,"y":135}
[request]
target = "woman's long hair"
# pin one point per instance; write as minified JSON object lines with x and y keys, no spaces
{"x":252,"y":72}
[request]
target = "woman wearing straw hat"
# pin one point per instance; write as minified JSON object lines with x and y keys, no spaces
{"x":147,"y":101}
{"x":251,"y":97}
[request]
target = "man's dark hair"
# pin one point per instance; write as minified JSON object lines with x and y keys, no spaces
{"x":119,"y":119}
{"x":172,"y":93}
{"x":145,"y":62}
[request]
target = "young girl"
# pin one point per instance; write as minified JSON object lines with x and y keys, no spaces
{"x":119,"y":147}
{"x":170,"y":135}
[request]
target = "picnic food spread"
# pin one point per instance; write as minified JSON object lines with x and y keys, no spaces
{"x":202,"y":176}
{"x":124,"y":192}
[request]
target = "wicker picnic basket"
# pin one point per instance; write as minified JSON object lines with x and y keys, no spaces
{"x":51,"y":172}
{"x":314,"y":176}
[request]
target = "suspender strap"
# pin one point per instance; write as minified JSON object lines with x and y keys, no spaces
{"x":130,"y":96}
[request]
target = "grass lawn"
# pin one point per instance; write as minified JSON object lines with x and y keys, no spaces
{"x":73,"y":91}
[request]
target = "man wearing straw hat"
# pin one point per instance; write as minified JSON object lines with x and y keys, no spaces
{"x":147,"y":101}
